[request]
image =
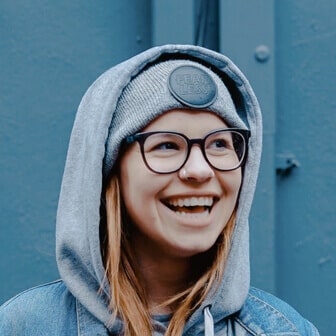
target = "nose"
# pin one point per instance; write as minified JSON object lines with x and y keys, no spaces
{"x":196,"y":169}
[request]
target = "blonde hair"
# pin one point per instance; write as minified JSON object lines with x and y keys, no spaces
{"x":128,"y":298}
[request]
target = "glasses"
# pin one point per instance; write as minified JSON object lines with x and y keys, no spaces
{"x":166,"y":152}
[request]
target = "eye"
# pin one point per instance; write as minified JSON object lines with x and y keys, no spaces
{"x":219,"y":143}
{"x":166,"y":146}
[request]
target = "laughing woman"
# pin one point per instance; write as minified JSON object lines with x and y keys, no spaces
{"x":152,"y":224}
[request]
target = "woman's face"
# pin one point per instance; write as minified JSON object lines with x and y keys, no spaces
{"x":158,"y":203}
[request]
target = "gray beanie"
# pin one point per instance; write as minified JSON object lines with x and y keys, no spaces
{"x":172,"y":84}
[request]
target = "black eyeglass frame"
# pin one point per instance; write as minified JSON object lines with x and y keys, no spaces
{"x":142,"y":136}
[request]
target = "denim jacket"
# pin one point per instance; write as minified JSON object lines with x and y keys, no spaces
{"x":51,"y":309}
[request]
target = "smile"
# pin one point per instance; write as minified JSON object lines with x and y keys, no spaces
{"x":186,"y":206}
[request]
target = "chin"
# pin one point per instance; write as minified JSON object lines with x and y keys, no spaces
{"x":192,"y":249}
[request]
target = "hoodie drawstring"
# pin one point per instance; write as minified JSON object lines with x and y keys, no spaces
{"x":209,"y":329}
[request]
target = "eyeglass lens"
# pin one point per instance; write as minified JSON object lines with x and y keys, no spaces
{"x":167,"y":152}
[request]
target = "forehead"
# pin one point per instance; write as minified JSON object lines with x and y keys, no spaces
{"x":187,"y":121}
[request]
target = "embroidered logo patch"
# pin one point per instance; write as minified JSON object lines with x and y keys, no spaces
{"x":192,"y":86}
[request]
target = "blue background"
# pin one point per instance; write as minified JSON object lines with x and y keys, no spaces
{"x":50,"y":52}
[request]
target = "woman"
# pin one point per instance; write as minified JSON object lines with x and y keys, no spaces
{"x":152,"y":224}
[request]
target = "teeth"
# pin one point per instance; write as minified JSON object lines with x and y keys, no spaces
{"x":192,"y":201}
{"x":193,"y":215}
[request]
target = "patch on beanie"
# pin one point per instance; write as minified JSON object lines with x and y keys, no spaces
{"x":192,"y":86}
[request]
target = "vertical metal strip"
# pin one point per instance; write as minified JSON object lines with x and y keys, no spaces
{"x":247,"y":36}
{"x":172,"y":22}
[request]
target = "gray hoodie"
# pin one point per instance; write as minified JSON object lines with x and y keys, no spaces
{"x":78,"y":246}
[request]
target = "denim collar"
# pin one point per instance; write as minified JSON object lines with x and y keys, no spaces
{"x":87,"y":324}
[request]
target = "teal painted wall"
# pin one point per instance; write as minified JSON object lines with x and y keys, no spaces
{"x":51,"y":52}
{"x":306,"y":128}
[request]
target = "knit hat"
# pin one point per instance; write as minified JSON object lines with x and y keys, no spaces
{"x":172,"y":84}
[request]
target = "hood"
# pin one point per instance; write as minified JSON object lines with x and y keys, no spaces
{"x":78,"y":216}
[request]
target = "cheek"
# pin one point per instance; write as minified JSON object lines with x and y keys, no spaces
{"x":139,"y":190}
{"x":130,"y":186}
{"x":231,"y":182}
{"x":131,"y":181}
{"x":137,"y":185}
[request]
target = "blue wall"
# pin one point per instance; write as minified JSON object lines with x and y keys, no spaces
{"x":51,"y":52}
{"x":306,"y":128}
